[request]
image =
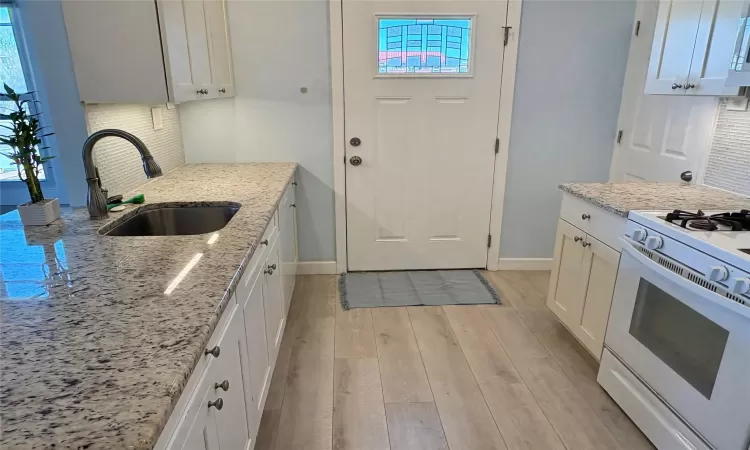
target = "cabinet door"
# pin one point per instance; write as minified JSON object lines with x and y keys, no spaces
{"x":257,"y":351}
{"x":273,"y":302}
{"x":231,"y":371}
{"x":202,"y":433}
{"x":673,"y":44}
{"x":565,"y":297}
{"x":599,"y":272}
{"x":221,"y":54}
{"x":714,"y":47}
{"x":288,"y":244}
{"x":198,"y":43}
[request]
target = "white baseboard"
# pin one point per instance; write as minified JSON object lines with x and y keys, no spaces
{"x":316,"y":268}
{"x":524,"y":264}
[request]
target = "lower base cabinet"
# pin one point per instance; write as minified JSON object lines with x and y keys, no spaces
{"x":584,"y":272}
{"x":222,"y":403}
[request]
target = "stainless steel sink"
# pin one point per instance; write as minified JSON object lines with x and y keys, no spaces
{"x":170,"y":220}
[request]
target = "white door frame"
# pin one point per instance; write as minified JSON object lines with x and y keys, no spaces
{"x":508,"y":80}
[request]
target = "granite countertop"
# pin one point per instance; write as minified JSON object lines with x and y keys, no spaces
{"x":94,"y":354}
{"x":621,"y":198}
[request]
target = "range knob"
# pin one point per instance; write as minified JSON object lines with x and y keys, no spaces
{"x":741,"y":285}
{"x":718,"y":273}
{"x":654,"y":242}
{"x":639,"y":235}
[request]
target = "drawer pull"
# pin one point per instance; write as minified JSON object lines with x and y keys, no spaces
{"x":218,"y":404}
{"x":224,"y":385}
{"x":216,"y":351}
{"x":585,"y":216}
{"x":264,"y":242}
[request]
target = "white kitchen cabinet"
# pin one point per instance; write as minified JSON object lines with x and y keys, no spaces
{"x":248,"y":336}
{"x":584,"y":270}
{"x":692,"y":47}
{"x":217,"y":418}
{"x":273,"y":301}
{"x":288,"y":245}
{"x":149,"y":51}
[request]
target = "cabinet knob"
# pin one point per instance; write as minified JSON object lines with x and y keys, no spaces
{"x":689,"y":86}
{"x":585,"y":216}
{"x":293,"y":205}
{"x":272,"y":266}
{"x":676,"y":86}
{"x":264,"y":242}
{"x":294,"y":183}
{"x":218,"y":404}
{"x":215,"y":352}
{"x":223,"y":90}
{"x":223,"y":385}
{"x":576,"y":239}
{"x":585,"y":244}
{"x":268,"y":271}
{"x":202,"y":91}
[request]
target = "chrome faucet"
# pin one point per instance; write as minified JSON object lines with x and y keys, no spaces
{"x":96,"y":202}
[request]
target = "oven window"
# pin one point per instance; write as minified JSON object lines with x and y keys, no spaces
{"x":683,"y":339}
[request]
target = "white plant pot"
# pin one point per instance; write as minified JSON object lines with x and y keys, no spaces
{"x":39,"y":214}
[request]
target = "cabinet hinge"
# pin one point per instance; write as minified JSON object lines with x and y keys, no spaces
{"x":619,"y":136}
{"x":506,"y":34}
{"x":489,"y":240}
{"x":497,"y":145}
{"x":637,"y":27}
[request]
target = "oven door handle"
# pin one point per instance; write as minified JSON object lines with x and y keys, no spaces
{"x":667,"y":274}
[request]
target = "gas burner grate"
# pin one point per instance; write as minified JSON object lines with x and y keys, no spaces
{"x":728,"y":221}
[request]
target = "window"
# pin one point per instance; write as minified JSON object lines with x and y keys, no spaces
{"x":424,"y":46}
{"x":12,"y":73}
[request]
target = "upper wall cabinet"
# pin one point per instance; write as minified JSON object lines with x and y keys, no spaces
{"x":149,"y":51}
{"x":692,"y":48}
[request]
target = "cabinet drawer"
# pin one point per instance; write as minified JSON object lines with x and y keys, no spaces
{"x":260,"y":255}
{"x":602,"y":225}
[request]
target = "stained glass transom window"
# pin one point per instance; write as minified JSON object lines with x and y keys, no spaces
{"x":417,"y":46}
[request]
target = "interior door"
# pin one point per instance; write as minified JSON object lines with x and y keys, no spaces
{"x":422,"y":91}
{"x":662,"y":136}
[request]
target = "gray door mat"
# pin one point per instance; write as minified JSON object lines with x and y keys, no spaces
{"x":415,"y":288}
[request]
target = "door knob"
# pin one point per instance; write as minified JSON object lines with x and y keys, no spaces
{"x":355,"y":141}
{"x":355,"y":160}
{"x":215,"y":352}
{"x":676,"y":86}
{"x":686,"y":176}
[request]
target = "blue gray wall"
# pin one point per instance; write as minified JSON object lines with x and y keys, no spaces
{"x":569,"y":77}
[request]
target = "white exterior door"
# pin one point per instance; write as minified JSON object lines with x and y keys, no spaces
{"x":422,"y":91}
{"x":662,"y":136}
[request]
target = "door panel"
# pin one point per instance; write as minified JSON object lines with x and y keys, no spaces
{"x":599,"y":274}
{"x":425,"y":137}
{"x":565,"y":296}
{"x":197,"y":38}
{"x":257,"y":350}
{"x":662,"y":136}
{"x":673,"y":43}
{"x":221,"y":55}
{"x":273,"y":303}
{"x":714,"y":47}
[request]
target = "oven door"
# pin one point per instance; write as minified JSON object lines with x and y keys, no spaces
{"x":690,"y":345}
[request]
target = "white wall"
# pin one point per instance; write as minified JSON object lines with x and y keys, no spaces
{"x":571,"y":67}
{"x":278,"y":48}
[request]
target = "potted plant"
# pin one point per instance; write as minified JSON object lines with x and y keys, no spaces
{"x":24,"y":139}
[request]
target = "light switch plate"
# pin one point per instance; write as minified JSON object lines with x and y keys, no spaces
{"x":156,"y":118}
{"x":737,"y":103}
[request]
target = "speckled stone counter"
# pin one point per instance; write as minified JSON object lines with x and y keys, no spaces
{"x":94,"y":354}
{"x":621,"y":198}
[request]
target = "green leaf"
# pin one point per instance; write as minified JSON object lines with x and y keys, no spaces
{"x":8,"y":89}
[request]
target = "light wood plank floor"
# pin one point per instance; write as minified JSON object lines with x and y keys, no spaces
{"x":478,"y":377}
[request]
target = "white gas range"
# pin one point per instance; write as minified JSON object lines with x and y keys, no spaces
{"x":677,"y":347}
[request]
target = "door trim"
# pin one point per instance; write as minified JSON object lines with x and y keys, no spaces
{"x":508,"y":79}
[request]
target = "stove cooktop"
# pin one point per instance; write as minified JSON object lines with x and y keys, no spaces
{"x":700,"y":221}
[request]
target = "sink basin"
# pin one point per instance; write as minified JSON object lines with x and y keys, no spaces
{"x":173,"y":220}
